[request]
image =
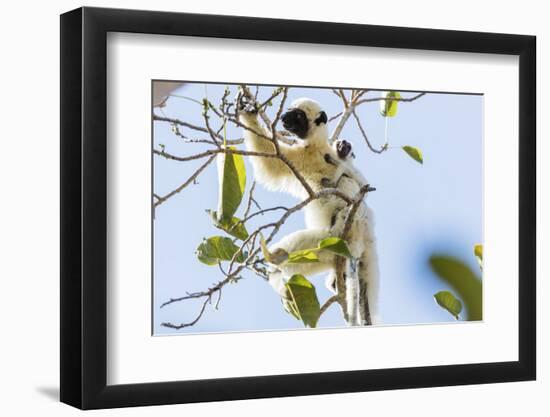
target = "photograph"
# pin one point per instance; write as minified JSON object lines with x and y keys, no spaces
{"x":278,"y":207}
{"x":354,"y":211}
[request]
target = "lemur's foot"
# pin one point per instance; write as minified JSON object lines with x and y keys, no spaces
{"x":245,"y":104}
{"x":327,"y":183}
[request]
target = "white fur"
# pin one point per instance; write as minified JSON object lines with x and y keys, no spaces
{"x":308,"y":157}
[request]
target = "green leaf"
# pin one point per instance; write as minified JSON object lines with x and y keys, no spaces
{"x":265,"y":250}
{"x":464,"y":282}
{"x":303,"y":302}
{"x":303,"y":256}
{"x":388,"y":107}
{"x":414,"y":153}
{"x":216,"y":249}
{"x":336,"y":245}
{"x":290,"y":308}
{"x":232,"y":182}
{"x":332,"y":244}
{"x":478,"y":252}
{"x":449,"y":302}
{"x":234,"y":227}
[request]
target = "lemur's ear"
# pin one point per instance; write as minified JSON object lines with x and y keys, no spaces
{"x":322,"y":118}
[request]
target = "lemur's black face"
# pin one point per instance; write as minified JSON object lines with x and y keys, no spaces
{"x":295,"y":121}
{"x":343,"y":148}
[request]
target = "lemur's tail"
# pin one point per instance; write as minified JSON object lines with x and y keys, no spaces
{"x":362,"y":274}
{"x":368,"y":285}
{"x":361,"y":288}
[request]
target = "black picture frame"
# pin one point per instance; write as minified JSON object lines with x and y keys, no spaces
{"x":84,"y":207}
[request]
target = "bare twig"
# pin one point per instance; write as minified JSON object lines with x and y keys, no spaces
{"x":340,"y":93}
{"x":275,"y":94}
{"x":344,"y":115}
{"x":191,"y":323}
{"x":182,"y":123}
{"x":263,"y":211}
{"x":261,"y":272}
{"x":336,"y":116}
{"x":256,"y":204}
{"x":327,"y":304}
{"x":209,"y":152}
{"x":191,"y":179}
{"x":358,"y":94}
{"x":212,"y":134}
{"x":249,"y":202}
{"x":276,"y":119}
{"x":349,"y":108}
{"x":364,"y":134}
{"x":186,"y":98}
{"x":208,"y":293}
{"x":176,"y":130}
{"x":201,"y":155}
{"x":341,"y":123}
{"x":265,"y":118}
{"x":405,"y":100}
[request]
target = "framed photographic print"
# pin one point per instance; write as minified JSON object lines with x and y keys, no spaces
{"x":256,"y":207}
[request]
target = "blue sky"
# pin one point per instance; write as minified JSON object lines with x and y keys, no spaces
{"x":419,"y":210}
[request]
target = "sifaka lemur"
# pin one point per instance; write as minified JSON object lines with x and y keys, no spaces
{"x":322,"y":166}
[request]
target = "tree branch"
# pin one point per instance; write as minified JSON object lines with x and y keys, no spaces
{"x":341,"y":123}
{"x":327,"y":304}
{"x":209,"y":152}
{"x":273,"y":139}
{"x":405,"y":100}
{"x":265,"y":118}
{"x":191,"y":179}
{"x":249,"y":202}
{"x":349,"y":108}
{"x":181,"y":123}
{"x":191,"y":323}
{"x":364,"y":134}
